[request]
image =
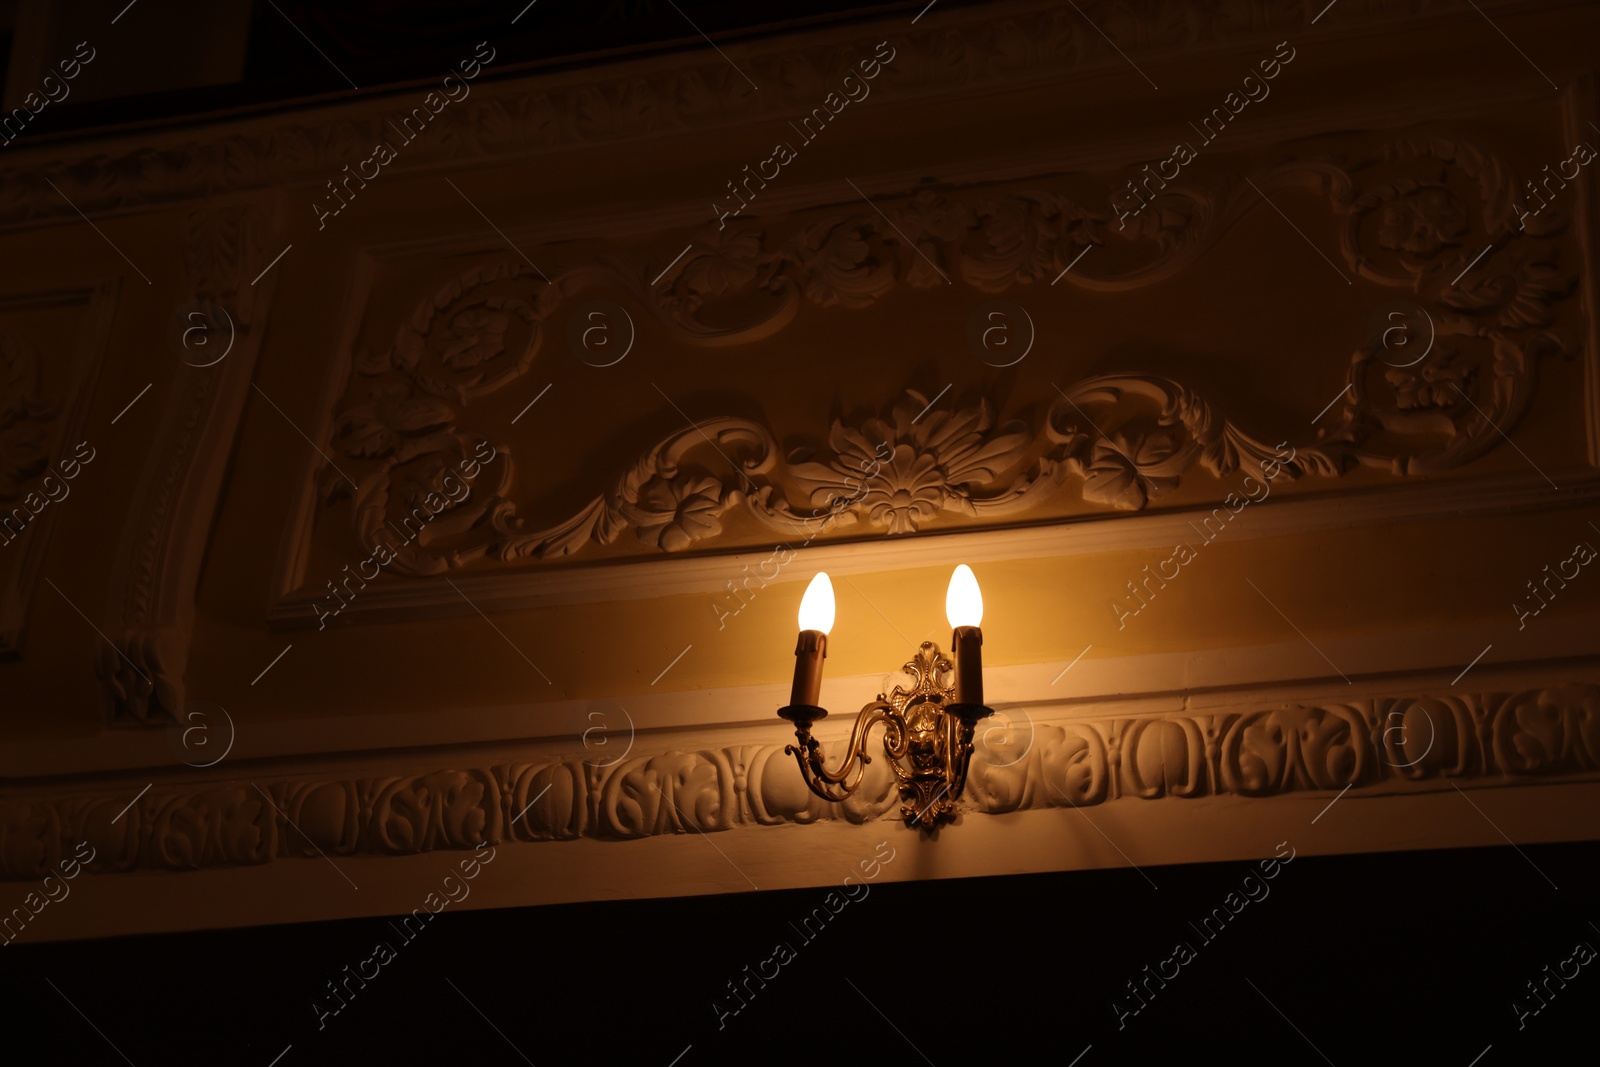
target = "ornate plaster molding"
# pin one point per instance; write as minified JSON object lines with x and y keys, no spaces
{"x":39,"y":425}
{"x":1393,"y":744}
{"x":1412,"y":213}
{"x":150,"y":606}
{"x":966,"y":50}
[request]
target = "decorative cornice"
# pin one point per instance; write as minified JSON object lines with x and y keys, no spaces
{"x":1127,"y":439}
{"x":1393,"y":744}
{"x":677,"y":575}
{"x":961,"y":52}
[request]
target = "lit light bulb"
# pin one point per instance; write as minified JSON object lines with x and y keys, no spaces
{"x":963,"y":603}
{"x":816,"y":607}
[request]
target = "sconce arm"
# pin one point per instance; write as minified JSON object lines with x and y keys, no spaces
{"x":961,"y":721}
{"x":838,"y":785}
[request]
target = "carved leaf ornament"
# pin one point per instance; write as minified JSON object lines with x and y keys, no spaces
{"x":1379,"y":745}
{"x":1412,"y":216}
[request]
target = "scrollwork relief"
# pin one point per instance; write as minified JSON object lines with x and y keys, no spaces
{"x":1378,"y":746}
{"x":1412,"y":215}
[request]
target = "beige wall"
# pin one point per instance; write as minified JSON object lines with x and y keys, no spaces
{"x":196,"y":539}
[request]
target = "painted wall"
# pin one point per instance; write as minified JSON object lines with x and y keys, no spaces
{"x":1271,"y":441}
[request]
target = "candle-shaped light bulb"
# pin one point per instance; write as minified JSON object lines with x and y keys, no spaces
{"x":963,"y":606}
{"x":816,"y":607}
{"x":816,"y":619}
{"x":963,"y":601}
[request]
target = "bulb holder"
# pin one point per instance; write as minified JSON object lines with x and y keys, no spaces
{"x":968,"y":648}
{"x":802,"y":714}
{"x":809,"y":652}
{"x":969,"y":713}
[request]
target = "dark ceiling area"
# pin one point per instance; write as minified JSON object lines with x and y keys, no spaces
{"x":380,"y":41}
{"x":297,"y":50}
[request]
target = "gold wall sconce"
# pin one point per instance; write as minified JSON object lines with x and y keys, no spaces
{"x":928,"y":728}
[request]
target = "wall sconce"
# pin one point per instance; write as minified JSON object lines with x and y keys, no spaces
{"x":927,"y":729}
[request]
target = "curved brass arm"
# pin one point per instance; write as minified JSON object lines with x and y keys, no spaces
{"x":838,"y":785}
{"x":928,"y":738}
{"x":958,"y":754}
